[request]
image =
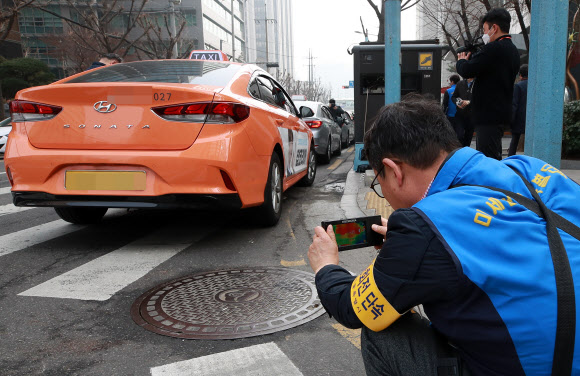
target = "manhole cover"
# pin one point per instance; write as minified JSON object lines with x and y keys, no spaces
{"x":229,"y":304}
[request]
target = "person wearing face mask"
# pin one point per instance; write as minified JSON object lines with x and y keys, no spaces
{"x":494,"y":69}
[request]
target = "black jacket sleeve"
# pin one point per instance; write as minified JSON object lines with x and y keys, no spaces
{"x":445,"y":102}
{"x":516,"y":102}
{"x":477,"y":63}
{"x":412,"y":268}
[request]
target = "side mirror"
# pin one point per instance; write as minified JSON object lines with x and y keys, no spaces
{"x":306,"y":112}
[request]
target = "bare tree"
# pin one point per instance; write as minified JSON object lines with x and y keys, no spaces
{"x":405,"y":4}
{"x":314,"y":92}
{"x":8,"y":16}
{"x":159,"y":41}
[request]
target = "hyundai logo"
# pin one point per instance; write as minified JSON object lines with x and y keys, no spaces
{"x":104,"y":107}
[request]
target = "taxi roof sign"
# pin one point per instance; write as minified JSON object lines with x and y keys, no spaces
{"x":213,"y":55}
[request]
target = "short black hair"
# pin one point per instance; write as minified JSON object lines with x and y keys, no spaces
{"x":113,"y":56}
{"x":524,"y":70}
{"x":500,"y":17}
{"x":331,"y":101}
{"x":454,"y":78}
{"x":414,"y":130}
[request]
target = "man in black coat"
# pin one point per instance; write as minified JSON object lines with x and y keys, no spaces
{"x":519,"y":105}
{"x":462,"y":98}
{"x":494,"y":68}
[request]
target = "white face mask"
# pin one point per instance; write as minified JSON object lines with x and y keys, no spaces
{"x":486,"y":37}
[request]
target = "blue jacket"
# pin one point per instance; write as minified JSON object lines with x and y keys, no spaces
{"x":502,"y":248}
{"x":478,"y":262}
{"x":449,"y":107}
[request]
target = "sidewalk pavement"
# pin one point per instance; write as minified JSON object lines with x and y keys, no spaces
{"x":359,"y":200}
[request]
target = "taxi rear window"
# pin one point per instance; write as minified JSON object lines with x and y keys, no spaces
{"x":171,"y":71}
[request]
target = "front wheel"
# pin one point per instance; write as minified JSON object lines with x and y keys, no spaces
{"x":81,"y":215}
{"x":308,"y":179}
{"x":326,"y":157}
{"x":339,"y":149}
{"x":269,"y":212}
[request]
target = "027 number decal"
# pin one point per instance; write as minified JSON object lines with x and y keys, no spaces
{"x":161,"y":97}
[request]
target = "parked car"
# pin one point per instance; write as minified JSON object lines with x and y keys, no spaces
{"x":158,"y":134}
{"x":347,"y":135}
{"x":327,"y":133}
{"x":5,"y":128}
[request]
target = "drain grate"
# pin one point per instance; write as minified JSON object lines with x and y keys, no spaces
{"x":229,"y":304}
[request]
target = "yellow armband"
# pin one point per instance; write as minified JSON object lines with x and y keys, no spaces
{"x":370,"y":306}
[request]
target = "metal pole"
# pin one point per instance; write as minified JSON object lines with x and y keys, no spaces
{"x":266,"y":26}
{"x":546,"y":75}
{"x":233,"y":33}
{"x":173,"y":35}
{"x":392,"y":51}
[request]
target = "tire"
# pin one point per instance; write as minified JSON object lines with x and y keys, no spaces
{"x":269,"y":212}
{"x":345,"y":143}
{"x":339,"y":150}
{"x":308,"y":179}
{"x":326,"y":157}
{"x":81,"y":215}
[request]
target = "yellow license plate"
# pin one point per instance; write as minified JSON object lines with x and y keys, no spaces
{"x":105,"y":180}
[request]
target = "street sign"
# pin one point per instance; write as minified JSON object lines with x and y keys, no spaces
{"x":426,"y":61}
{"x":351,"y":84}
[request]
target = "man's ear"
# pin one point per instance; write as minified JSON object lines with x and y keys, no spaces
{"x":397,"y":171}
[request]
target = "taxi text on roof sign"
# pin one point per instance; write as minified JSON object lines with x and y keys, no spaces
{"x":214,"y":55}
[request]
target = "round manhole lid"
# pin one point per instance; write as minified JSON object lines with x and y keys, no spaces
{"x":229,"y":304}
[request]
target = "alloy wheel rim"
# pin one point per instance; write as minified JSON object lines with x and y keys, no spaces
{"x":276,"y":187}
{"x":311,"y":166}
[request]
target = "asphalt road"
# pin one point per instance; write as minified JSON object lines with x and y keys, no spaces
{"x":60,"y":317}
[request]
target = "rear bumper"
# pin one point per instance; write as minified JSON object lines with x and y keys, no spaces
{"x":170,"y":201}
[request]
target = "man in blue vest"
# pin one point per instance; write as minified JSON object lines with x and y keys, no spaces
{"x":491,"y":249}
{"x":450,"y":108}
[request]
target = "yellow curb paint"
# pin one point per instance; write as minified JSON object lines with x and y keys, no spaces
{"x":288,"y":264}
{"x":350,"y":149}
{"x":335,"y":164}
{"x":352,"y":335}
{"x":291,"y":230}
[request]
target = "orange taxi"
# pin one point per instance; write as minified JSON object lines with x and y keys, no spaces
{"x":158,"y":134}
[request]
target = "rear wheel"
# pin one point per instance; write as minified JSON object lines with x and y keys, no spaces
{"x":308,"y":179}
{"x":81,"y":215}
{"x":269,"y":212}
{"x":345,"y":143}
{"x":339,"y":149}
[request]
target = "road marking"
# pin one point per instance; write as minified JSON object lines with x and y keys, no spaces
{"x":350,"y":149}
{"x":22,"y":239}
{"x":101,"y":278}
{"x":352,"y":335}
{"x":289,"y":264}
{"x":5,"y":190}
{"x":265,"y":359}
{"x":10,"y":208}
{"x":335,"y":164}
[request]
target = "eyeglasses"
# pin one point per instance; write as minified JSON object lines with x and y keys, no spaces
{"x":376,"y":183}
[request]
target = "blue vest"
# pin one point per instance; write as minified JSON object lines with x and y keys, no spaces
{"x":451,"y":107}
{"x":503,"y":248}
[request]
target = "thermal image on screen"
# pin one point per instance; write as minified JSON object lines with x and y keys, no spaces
{"x":350,"y":233}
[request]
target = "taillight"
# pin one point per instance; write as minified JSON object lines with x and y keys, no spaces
{"x":205,"y":112}
{"x":30,"y":111}
{"x":314,"y":123}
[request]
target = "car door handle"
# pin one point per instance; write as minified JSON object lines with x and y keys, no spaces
{"x":279,"y":121}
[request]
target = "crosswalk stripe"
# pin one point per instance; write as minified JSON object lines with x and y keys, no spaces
{"x":19,"y":240}
{"x":5,"y":190}
{"x":264,"y":359}
{"x":10,"y":208}
{"x":101,"y":278}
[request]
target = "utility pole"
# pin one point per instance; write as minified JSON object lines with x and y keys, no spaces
{"x":233,"y":32}
{"x":392,"y":51}
{"x":173,"y":33}
{"x":310,"y":69}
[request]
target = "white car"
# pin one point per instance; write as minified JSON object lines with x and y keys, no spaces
{"x":5,"y":128}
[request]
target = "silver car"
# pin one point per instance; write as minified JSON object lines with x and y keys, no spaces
{"x":347,"y":130}
{"x":327,"y":133}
